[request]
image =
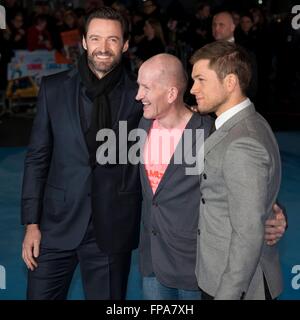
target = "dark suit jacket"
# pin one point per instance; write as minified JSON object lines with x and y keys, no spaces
{"x":170,"y":218}
{"x":58,"y":177}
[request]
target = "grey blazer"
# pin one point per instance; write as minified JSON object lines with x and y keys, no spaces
{"x":168,"y":237}
{"x":240,"y":182}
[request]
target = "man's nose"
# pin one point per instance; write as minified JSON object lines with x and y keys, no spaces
{"x":102,"y":45}
{"x":193,"y":89}
{"x":138,"y":95}
{"x":216,"y":28}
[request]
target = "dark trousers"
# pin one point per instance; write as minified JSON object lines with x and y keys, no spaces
{"x":206,"y":296}
{"x":103,"y":277}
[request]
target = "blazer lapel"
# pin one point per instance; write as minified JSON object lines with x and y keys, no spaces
{"x":72,"y":87}
{"x":194,"y":123}
{"x":213,"y":140}
{"x":127,"y":101}
{"x":145,"y":124}
{"x":219,"y":134}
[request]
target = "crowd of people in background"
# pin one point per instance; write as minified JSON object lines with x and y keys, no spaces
{"x":269,"y":38}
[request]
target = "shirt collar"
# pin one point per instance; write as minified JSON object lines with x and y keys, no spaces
{"x":225,"y":116}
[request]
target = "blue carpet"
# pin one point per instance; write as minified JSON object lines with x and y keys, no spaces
{"x":289,"y":144}
{"x":11,"y":233}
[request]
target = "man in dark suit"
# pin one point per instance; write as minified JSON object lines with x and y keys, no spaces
{"x":171,"y":197}
{"x":75,"y":210}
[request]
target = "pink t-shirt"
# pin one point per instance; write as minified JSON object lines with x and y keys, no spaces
{"x":159,"y":149}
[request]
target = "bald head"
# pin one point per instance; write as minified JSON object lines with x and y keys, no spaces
{"x":162,"y":83}
{"x":223,"y":26}
{"x":166,"y":70}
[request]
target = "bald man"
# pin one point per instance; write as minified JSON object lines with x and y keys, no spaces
{"x":223,"y":26}
{"x":171,"y":198}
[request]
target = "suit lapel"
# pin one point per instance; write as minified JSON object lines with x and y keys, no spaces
{"x":213,"y":140}
{"x":222,"y":132}
{"x":126,"y":102}
{"x":72,"y":87}
{"x":145,"y":124}
{"x":194,"y":123}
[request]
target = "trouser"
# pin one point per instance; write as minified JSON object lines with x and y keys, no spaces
{"x":104,"y":277}
{"x":154,"y":290}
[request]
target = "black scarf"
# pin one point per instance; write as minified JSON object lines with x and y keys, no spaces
{"x":98,"y":90}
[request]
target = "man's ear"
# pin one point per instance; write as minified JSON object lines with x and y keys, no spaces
{"x":231,"y":81}
{"x":84,"y":43}
{"x":126,"y":46}
{"x":172,"y":94}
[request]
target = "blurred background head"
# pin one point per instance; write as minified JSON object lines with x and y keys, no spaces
{"x":223,"y":26}
{"x":246,"y":22}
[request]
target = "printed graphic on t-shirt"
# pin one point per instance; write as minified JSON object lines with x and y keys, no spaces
{"x":159,"y":149}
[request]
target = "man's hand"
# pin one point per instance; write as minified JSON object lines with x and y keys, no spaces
{"x":31,"y":245}
{"x":275,"y":226}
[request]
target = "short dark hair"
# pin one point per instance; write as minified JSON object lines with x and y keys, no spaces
{"x":108,"y":13}
{"x":225,"y":58}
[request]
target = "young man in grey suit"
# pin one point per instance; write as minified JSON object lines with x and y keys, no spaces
{"x":170,"y":197}
{"x":240,"y":181}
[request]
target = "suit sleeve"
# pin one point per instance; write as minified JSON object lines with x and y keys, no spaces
{"x":37,"y":162}
{"x":246,"y":173}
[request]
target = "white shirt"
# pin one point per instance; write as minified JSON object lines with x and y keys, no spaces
{"x":225,"y":116}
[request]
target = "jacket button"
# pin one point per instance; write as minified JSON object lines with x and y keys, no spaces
{"x":154,"y":232}
{"x":203,"y":201}
{"x":198,"y":231}
{"x":204,"y":176}
{"x":155,"y":204}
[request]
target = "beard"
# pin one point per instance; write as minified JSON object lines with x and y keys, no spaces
{"x":103,"y":67}
{"x":212,"y":107}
